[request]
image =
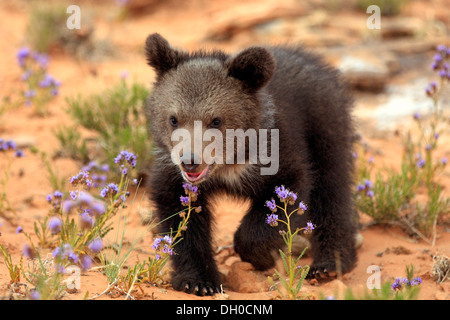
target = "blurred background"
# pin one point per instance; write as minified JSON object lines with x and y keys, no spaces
{"x":389,"y":66}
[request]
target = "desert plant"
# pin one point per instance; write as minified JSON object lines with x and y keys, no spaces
{"x":42,"y":87}
{"x":7,"y":147}
{"x":116,"y":117}
{"x":392,"y":195}
{"x":295,"y":273}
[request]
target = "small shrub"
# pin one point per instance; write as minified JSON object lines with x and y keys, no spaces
{"x":116,"y":117}
{"x":392,"y":195}
{"x":7,"y":148}
{"x":45,"y":23}
{"x":42,"y":87}
{"x":295,"y":273}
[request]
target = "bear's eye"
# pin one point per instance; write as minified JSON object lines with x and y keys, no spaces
{"x":173,"y":121}
{"x":215,"y":123}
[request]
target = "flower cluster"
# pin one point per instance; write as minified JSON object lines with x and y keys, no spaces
{"x":400,"y":283}
{"x":440,"y":62}
{"x":83,"y":202}
{"x":65,"y":254}
{"x":41,"y":85}
{"x":125,"y":159}
{"x":272,"y":220}
{"x":420,"y":161}
{"x":366,"y":188}
{"x":271,"y":205}
{"x":10,"y":145}
{"x":54,"y":225}
{"x":309,"y":227}
{"x":98,"y":173}
{"x":110,"y":190}
{"x":191,"y":192}
{"x":440,"y":65}
{"x":285,"y":195}
{"x":55,"y":199}
{"x":164,"y":245}
{"x":82,"y":178}
{"x":78,"y":243}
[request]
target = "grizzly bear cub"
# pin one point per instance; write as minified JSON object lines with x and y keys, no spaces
{"x":298,"y":110}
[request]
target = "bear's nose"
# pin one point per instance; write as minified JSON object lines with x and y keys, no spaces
{"x":189,"y":163}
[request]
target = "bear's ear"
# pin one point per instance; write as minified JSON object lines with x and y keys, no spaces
{"x":253,"y":66}
{"x":160,"y":55}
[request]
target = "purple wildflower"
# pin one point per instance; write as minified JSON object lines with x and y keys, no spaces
{"x":73,"y":257}
{"x":98,"y":207}
{"x":272,"y":220}
{"x":124,"y":74}
{"x":442,"y":73}
{"x":58,"y":194}
{"x":282,"y":193}
{"x":309,"y":227}
{"x":302,"y":206}
{"x":55,"y":225}
{"x":399,"y":283}
{"x":42,"y":59}
{"x":163,"y":244}
{"x":28,"y":252}
{"x":81,"y":178}
{"x":35,"y":295}
{"x":59,"y":268}
{"x":190,"y":188}
{"x":86,"y":220}
{"x":30,"y":94}
{"x":19,"y":154}
{"x":19,"y":230}
{"x":56,"y":252}
{"x":86,"y":262}
{"x":110,"y":190}
{"x":421,"y":163}
{"x":126,"y":158}
{"x":271,"y":205}
{"x":22,"y":55}
{"x":73,"y":194}
{"x":184,"y":200}
{"x":96,"y":245}
{"x":441,"y":48}
{"x":415,"y":282}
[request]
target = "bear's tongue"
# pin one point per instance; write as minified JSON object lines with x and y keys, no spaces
{"x":194,"y":176}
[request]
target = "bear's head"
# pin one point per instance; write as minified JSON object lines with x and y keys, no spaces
{"x":199,"y":99}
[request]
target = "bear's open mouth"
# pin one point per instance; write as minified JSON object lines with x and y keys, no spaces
{"x":195,"y":176}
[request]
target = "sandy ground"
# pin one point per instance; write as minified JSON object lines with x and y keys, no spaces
{"x":185,"y":25}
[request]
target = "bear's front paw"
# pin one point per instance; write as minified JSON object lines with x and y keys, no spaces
{"x":193,"y":285}
{"x":322,"y":271}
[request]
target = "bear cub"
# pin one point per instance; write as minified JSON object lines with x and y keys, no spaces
{"x":286,"y":97}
